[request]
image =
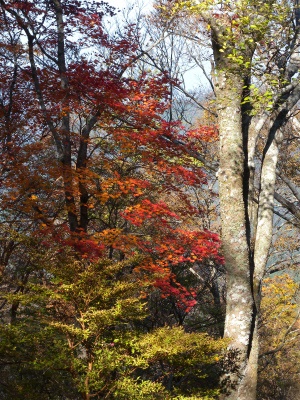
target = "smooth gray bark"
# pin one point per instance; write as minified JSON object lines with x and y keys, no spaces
{"x":246,"y":224}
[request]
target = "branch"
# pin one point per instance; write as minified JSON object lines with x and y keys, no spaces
{"x":294,"y":189}
{"x":190,"y":96}
{"x":145,"y":52}
{"x":280,"y":346}
{"x":192,"y":153}
{"x":295,"y":211}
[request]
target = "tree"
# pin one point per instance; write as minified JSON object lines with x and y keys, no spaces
{"x":255,"y":50}
{"x":83,"y":330}
{"x":88,"y":236}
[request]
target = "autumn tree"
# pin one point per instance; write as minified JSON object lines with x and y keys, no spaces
{"x":255,"y":51}
{"x":279,"y":333}
{"x":88,"y":233}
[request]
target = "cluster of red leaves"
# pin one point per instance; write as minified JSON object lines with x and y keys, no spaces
{"x":201,"y":136}
{"x":205,"y":133}
{"x":188,"y":246}
{"x":169,"y":247}
{"x":116,"y":187}
{"x":60,"y":239}
{"x":130,"y":212}
{"x":148,"y":211}
{"x":184,"y":299}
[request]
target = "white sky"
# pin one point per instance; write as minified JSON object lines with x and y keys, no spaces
{"x":123,"y":3}
{"x":117,"y":3}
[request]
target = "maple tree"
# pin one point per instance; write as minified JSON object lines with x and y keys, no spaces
{"x":109,"y":269}
{"x":90,"y":236}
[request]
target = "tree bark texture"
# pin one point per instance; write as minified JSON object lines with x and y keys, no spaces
{"x":240,"y":303}
{"x":246,"y":228}
{"x":246,"y":194}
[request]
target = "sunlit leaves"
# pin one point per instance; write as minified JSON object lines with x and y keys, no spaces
{"x":95,"y":206}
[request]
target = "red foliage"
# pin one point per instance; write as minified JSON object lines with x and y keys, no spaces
{"x":88,"y":160}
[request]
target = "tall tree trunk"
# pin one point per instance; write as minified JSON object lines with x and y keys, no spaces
{"x":246,"y":233}
{"x":65,"y":132}
{"x":231,"y":175}
{"x":246,"y":228}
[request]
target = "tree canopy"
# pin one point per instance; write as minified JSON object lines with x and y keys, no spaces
{"x":115,"y":280}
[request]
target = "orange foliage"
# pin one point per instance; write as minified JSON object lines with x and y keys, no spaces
{"x":88,"y":156}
